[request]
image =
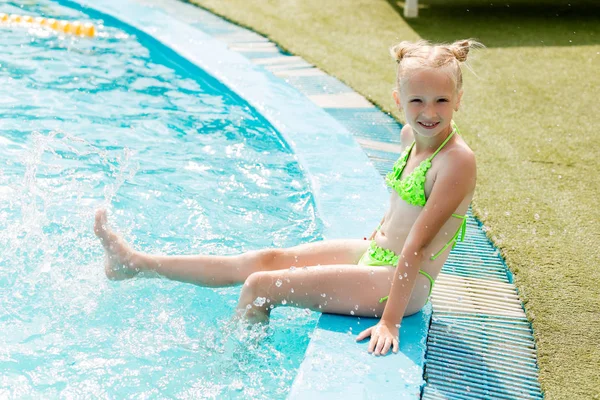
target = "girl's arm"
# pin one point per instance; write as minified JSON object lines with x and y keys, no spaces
{"x":453,"y":183}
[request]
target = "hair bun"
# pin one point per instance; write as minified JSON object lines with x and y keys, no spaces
{"x":404,"y":49}
{"x":461,"y":48}
{"x":400,"y":50}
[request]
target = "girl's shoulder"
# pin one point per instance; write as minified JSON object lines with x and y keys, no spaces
{"x":406,"y":136}
{"x":459,"y":150}
{"x":458,"y":163}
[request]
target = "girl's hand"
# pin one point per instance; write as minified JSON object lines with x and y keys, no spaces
{"x":383,"y":336}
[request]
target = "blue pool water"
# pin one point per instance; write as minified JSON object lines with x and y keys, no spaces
{"x":185,"y":167}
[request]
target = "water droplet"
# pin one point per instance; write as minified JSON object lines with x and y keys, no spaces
{"x":352,"y":312}
{"x":278,"y":283}
{"x":292,"y":290}
{"x":405,"y":264}
{"x":323,"y":294}
{"x":237,"y":385}
{"x":284,"y":302}
{"x":405,"y":274}
{"x":259,"y":301}
{"x":356,"y":307}
{"x":400,"y":277}
{"x":293,"y":268}
{"x":536,"y":216}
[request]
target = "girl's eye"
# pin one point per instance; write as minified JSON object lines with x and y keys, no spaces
{"x":443,"y":100}
{"x":415,"y":101}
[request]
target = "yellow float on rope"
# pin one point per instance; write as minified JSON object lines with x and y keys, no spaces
{"x":69,"y":27}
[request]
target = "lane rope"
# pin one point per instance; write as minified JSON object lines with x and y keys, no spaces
{"x":76,"y":28}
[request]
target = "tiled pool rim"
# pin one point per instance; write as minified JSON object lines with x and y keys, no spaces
{"x":479,"y":346}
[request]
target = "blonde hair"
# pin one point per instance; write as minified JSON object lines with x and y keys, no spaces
{"x":423,"y":54}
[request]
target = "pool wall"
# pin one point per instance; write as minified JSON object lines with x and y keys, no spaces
{"x":349,"y":194}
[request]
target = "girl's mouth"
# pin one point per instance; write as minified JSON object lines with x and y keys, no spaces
{"x":427,"y":125}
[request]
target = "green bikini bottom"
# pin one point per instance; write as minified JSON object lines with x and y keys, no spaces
{"x":376,"y":256}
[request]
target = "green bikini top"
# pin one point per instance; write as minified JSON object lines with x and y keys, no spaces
{"x":412,"y":188}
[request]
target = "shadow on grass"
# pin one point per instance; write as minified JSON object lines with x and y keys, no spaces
{"x":507,"y":23}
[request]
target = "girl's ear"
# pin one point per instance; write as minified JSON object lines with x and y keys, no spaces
{"x":396,"y":97}
{"x":457,"y":106}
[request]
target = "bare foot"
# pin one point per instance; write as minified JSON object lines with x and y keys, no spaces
{"x":119,"y":256}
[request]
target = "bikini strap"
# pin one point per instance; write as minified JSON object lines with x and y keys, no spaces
{"x":431,"y":282}
{"x":408,"y":150}
{"x":444,"y":143}
{"x":459,"y":236}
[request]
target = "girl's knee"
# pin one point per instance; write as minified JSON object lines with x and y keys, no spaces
{"x":253,"y":299}
{"x":267,"y":259}
{"x":255,"y":284}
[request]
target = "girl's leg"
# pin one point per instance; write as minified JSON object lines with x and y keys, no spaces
{"x":337,"y":289}
{"x":123,"y":262}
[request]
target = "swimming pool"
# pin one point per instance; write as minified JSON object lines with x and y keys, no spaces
{"x":186,"y":166}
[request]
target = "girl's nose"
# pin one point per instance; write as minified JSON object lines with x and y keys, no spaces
{"x":429,"y":112}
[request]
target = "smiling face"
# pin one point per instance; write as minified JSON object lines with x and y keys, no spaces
{"x":429,"y":99}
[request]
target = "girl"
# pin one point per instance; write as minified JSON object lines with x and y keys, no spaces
{"x":392,"y":274}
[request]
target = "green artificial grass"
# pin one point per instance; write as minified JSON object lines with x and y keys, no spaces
{"x":529,"y":113}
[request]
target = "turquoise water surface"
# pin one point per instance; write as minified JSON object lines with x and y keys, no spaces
{"x":185,"y":167}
